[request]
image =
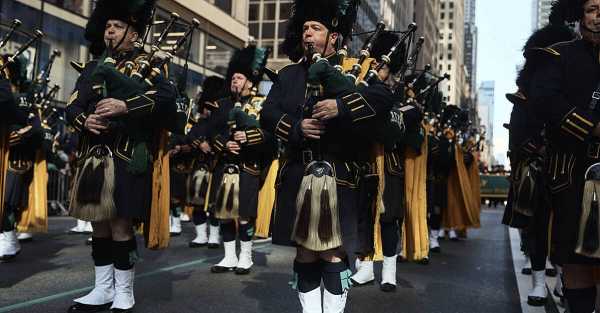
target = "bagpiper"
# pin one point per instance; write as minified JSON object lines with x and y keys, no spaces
{"x":120,"y":106}
{"x":25,"y":141}
{"x":402,"y":122}
{"x":243,"y":152}
{"x":314,"y":109}
{"x":206,"y":224}
{"x":529,"y":207}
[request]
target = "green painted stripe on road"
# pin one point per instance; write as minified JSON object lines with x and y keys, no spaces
{"x":53,"y":297}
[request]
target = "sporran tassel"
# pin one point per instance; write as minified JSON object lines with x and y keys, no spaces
{"x":590,"y":235}
{"x":588,"y":243}
{"x":228,"y":197}
{"x":91,"y":181}
{"x":303,"y":218}
{"x":325,"y":222}
{"x":96,"y":173}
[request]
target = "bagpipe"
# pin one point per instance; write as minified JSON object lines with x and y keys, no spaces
{"x":146,"y":68}
{"x":34,"y":102}
{"x":13,"y":29}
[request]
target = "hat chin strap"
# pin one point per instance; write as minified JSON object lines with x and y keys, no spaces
{"x":114,"y":49}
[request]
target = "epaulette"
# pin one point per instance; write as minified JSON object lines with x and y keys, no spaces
{"x":78,"y":66}
{"x":516,"y":98}
{"x":553,"y":50}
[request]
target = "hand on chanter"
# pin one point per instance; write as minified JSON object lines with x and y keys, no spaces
{"x":325,"y":110}
{"x":110,"y":107}
{"x":95,"y":124}
{"x":233,"y":147}
{"x":240,"y":136}
{"x":205,"y":147}
{"x":312,"y":128}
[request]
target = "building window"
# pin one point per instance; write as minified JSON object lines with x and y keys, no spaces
{"x":451,"y":5}
{"x":268,"y":11}
{"x":285,"y":10}
{"x":224,"y":5}
{"x":253,"y":27}
{"x":449,"y":67}
{"x":449,"y":89}
{"x":443,"y":5}
{"x":253,"y":14}
{"x":450,"y":36}
{"x":442,"y":15}
{"x":450,"y":25}
{"x":449,"y":56}
{"x":449,"y":46}
{"x":268,"y":30}
{"x":451,"y":15}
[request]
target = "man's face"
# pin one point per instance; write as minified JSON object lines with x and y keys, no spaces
{"x":315,"y":33}
{"x":240,"y":83}
{"x":114,"y":32}
{"x":591,"y":15}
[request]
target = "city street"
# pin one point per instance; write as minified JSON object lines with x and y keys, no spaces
{"x":470,"y":276}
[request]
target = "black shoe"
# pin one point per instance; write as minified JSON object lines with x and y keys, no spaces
{"x":436,"y":250}
{"x":387,"y":287}
{"x":213,"y":246}
{"x":551,"y":272}
{"x":88,"y":308}
{"x":400,"y":259}
{"x":357,"y":284}
{"x":536,"y":301}
{"x":424,"y":261}
{"x":526,"y":271}
{"x":242,"y":271}
{"x":121,"y":310}
{"x":88,"y":242}
{"x":221,"y":269}
{"x":196,"y":245}
{"x":8,"y":257}
{"x":175,"y":234}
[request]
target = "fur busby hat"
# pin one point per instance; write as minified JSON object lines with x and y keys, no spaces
{"x":337,"y":15}
{"x":250,"y":61}
{"x":382,"y":46}
{"x":136,"y":13}
{"x":556,"y":31}
{"x":213,"y":89}
{"x":570,"y":10}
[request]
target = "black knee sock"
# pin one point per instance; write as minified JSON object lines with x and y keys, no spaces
{"x":175,"y":210}
{"x":581,"y":300}
{"x":336,"y":276}
{"x":102,"y":251}
{"x":389,"y":238}
{"x":307,"y":276}
{"x":212,"y":220}
{"x":124,"y":254}
{"x":9,"y":220}
{"x":228,"y":231}
{"x":199,"y":215}
{"x":246,"y":231}
{"x":435,"y":221}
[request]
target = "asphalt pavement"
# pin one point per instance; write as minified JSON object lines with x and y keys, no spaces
{"x":475,"y":275}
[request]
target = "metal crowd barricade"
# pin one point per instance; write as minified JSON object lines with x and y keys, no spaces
{"x":58,"y":191}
